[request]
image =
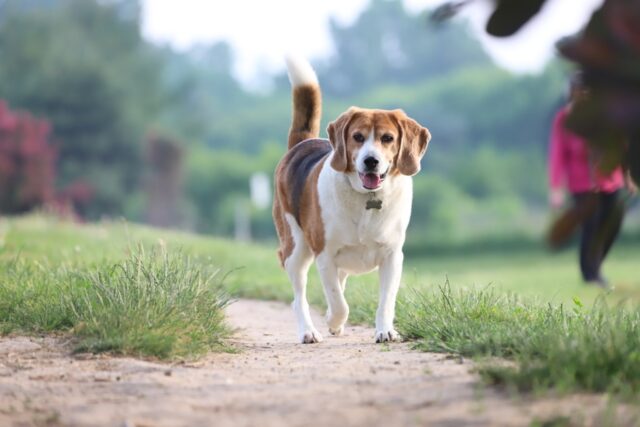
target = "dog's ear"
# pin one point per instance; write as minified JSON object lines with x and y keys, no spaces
{"x":337,"y":131}
{"x":414,"y":140}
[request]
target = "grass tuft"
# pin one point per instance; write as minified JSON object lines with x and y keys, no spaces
{"x":149,"y":304}
{"x":564,"y":348}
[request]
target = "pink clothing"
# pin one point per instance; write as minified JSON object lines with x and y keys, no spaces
{"x":569,"y":162}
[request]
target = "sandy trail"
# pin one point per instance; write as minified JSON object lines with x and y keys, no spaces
{"x":273,"y":381}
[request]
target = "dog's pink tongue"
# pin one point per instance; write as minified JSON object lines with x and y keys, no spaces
{"x":371,"y":180}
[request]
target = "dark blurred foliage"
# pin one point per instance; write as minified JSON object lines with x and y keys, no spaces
{"x":509,"y":16}
{"x":27,"y":162}
{"x":607,"y":52}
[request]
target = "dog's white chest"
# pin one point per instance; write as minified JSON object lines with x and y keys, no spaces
{"x":371,"y":228}
{"x":360,"y":244}
{"x":360,"y":238}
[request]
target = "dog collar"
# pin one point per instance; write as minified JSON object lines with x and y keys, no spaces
{"x":373,"y":202}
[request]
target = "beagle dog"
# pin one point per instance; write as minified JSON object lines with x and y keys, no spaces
{"x":344,"y":202}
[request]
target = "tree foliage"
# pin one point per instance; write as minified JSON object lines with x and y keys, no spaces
{"x":387,"y":45}
{"x":83,"y":65}
{"x":27,"y":162}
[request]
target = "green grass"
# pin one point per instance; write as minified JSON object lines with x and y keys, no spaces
{"x":527,"y":309}
{"x":148,"y":304}
{"x":535,"y":272}
{"x":564,"y":347}
{"x":143,"y":302}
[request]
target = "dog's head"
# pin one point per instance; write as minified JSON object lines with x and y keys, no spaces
{"x":375,"y":144}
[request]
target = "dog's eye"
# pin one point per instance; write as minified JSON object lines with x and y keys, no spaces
{"x":386,"y":138}
{"x":358,"y":137}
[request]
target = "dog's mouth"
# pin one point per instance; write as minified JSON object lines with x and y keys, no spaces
{"x":372,"y":181}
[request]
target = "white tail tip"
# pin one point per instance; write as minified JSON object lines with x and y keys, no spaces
{"x":300,"y":71}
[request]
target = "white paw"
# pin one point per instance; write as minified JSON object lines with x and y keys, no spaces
{"x":387,"y":335}
{"x":310,"y":336}
{"x":336,"y":320}
{"x":337,"y":331}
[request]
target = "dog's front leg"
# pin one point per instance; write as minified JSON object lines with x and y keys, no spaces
{"x":337,"y":307}
{"x":390,"y":273}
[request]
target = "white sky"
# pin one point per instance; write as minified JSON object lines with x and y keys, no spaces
{"x":261,"y":32}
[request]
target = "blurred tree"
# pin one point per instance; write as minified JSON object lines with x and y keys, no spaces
{"x":388,"y":45}
{"x":84,"y":65}
{"x":202,"y":94}
{"x":216,"y":180}
{"x":27,"y":162}
{"x":479,"y":105}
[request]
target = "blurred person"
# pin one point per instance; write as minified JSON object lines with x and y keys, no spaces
{"x":597,"y":207}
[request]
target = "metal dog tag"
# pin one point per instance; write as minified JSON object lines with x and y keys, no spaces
{"x":373,"y":203}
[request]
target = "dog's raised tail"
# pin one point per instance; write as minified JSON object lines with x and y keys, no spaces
{"x":307,"y":100}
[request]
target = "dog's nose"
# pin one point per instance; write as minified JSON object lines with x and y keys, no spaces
{"x":371,"y":162}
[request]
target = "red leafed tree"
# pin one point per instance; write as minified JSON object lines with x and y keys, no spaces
{"x":27,"y":162}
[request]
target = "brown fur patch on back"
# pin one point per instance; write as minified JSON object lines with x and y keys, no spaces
{"x":302,"y":159}
{"x":296,"y":193}
{"x":310,"y":211}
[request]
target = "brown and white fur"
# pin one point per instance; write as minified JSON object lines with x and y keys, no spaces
{"x":321,"y":192}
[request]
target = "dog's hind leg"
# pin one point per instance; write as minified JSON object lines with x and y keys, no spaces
{"x":297,"y":267}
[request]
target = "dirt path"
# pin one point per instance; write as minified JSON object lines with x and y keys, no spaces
{"x":274,"y":381}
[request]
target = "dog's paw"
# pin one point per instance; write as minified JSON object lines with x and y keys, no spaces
{"x":337,"y":319}
{"x":310,"y":336}
{"x":337,"y":331}
{"x":387,"y":336}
